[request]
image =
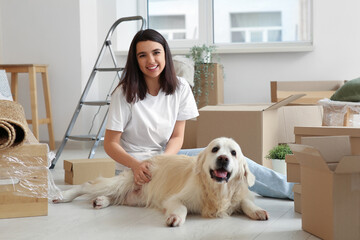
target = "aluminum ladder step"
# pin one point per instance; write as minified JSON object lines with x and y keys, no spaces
{"x":109,"y":69}
{"x":85,"y":138}
{"x":96,"y":103}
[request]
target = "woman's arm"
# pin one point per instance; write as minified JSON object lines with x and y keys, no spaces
{"x":177,"y":138}
{"x":115,"y":151}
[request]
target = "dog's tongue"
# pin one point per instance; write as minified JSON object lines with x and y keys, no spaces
{"x":220,"y":173}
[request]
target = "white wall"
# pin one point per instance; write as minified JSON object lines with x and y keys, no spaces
{"x":67,"y":35}
{"x":45,"y":32}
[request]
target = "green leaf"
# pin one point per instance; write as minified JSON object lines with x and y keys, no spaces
{"x":279,"y":152}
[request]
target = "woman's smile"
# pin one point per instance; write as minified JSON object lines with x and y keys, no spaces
{"x":152,"y":67}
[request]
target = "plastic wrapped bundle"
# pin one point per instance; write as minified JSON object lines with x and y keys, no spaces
{"x":338,"y":113}
{"x":26,"y":183}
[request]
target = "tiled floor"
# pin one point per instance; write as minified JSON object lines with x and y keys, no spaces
{"x":78,"y":220}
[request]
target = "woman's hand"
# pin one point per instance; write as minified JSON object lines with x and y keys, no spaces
{"x":141,"y":173}
{"x":115,"y":151}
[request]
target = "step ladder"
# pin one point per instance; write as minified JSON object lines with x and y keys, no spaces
{"x":99,"y":136}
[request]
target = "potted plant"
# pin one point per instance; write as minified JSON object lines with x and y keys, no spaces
{"x":277,"y":156}
{"x":204,"y":73}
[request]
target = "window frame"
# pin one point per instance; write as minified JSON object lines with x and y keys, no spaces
{"x":206,"y":24}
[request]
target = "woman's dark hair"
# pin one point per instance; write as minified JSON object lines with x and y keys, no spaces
{"x":132,"y":79}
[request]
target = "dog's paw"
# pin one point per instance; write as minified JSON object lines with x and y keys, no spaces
{"x":61,"y":200}
{"x":101,"y":202}
{"x":174,"y":221}
{"x":261,"y":215}
{"x":56,"y":200}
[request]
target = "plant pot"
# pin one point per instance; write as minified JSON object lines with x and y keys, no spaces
{"x":279,"y":165}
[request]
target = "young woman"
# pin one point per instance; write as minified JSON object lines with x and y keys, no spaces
{"x":149,"y":108}
{"x":148,"y":111}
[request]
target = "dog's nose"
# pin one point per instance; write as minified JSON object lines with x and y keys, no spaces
{"x":222,"y":161}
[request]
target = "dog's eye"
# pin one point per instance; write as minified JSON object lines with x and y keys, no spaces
{"x":215,"y":149}
{"x":233,"y":152}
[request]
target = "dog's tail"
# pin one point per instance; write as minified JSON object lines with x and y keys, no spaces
{"x":116,"y":188}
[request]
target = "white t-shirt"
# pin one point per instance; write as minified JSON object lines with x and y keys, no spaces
{"x":147,"y":125}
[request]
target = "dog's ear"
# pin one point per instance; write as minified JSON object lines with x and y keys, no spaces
{"x":250,"y":178}
{"x":200,"y":161}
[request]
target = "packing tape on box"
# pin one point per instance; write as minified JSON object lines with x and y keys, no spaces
{"x":10,"y":181}
{"x":18,"y":177}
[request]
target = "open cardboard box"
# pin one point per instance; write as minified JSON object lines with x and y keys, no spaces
{"x":330,"y":189}
{"x":318,"y":131}
{"x":288,"y":118}
{"x":79,"y":171}
{"x":313,"y":131}
{"x":253,"y":126}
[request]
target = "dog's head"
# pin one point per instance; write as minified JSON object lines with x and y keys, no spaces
{"x":223,"y":160}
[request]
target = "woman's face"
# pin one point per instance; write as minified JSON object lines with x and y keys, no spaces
{"x":151,"y":59}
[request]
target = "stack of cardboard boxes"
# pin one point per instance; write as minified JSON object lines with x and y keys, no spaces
{"x":326,"y":193}
{"x":293,"y":164}
{"x":330,"y":181}
{"x":326,"y":169}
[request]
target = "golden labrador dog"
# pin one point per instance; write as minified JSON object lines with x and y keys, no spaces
{"x":214,"y":184}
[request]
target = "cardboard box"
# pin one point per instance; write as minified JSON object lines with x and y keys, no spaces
{"x":253,"y":126}
{"x":292,"y":169}
{"x":354,"y":134}
{"x":23,"y":181}
{"x":314,"y":90}
{"x":302,"y":132}
{"x":79,"y":171}
{"x":300,"y":116}
{"x":288,"y":117}
{"x":190,"y":135}
{"x":330,"y":193}
{"x":213,"y":84}
{"x":340,"y":146}
{"x":297,"y":198}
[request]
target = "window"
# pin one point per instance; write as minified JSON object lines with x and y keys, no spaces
{"x":255,"y":27}
{"x":272,"y":25}
{"x":171,"y":27}
{"x":232,"y":25}
{"x":175,"y":19}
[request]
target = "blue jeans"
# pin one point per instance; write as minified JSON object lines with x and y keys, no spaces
{"x":268,"y":183}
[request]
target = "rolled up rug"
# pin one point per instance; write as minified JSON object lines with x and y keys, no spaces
{"x":13,"y":125}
